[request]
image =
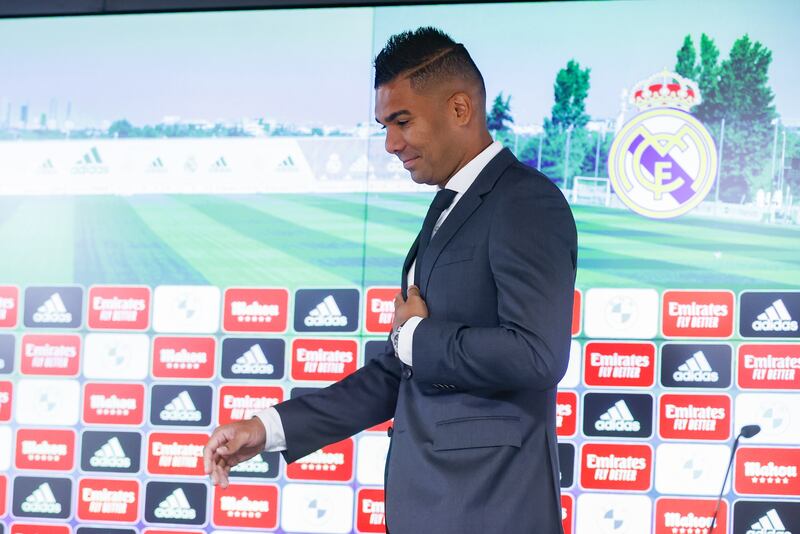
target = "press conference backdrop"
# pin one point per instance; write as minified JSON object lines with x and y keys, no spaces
{"x":199,"y":220}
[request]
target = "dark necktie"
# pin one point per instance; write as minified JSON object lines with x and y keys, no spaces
{"x":442,"y":201}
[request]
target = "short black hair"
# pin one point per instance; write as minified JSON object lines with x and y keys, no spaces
{"x":426,"y":55}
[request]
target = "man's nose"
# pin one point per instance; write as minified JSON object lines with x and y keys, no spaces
{"x":394,"y":142}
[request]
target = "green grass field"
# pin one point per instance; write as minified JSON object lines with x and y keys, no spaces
{"x":306,"y":241}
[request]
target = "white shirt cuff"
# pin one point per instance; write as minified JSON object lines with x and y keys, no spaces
{"x":405,"y":340}
{"x":276,"y":439}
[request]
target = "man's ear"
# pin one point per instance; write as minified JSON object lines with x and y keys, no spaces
{"x":460,"y":108}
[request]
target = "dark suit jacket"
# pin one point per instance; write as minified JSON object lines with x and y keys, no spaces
{"x":474,"y":443}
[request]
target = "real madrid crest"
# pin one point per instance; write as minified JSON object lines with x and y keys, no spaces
{"x":663,"y":162}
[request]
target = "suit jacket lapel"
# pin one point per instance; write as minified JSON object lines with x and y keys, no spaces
{"x":412,"y":252}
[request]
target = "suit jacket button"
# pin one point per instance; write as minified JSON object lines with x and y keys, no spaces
{"x":407,"y":373}
{"x":390,"y":431}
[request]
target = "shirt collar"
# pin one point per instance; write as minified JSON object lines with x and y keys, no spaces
{"x":467,"y":174}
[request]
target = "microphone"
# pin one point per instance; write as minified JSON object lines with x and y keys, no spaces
{"x":747,"y":431}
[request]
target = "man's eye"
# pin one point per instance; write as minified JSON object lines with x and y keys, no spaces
{"x":402,"y":123}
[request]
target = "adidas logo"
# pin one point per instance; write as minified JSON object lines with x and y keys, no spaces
{"x":110,"y":455}
{"x":770,"y":523}
{"x":157,"y":163}
{"x":181,"y":408}
{"x":220,"y":164}
{"x":256,"y":464}
{"x":327,"y":313}
{"x":41,"y":501}
{"x":696,"y":369}
{"x":253,"y":361}
{"x":618,"y":418}
{"x":775,"y":318}
{"x":52,"y":311}
{"x":287,"y":163}
{"x":176,"y":506}
{"x":90,"y":163}
{"x":47,"y":165}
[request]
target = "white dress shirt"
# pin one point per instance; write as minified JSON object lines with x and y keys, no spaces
{"x":459,"y":182}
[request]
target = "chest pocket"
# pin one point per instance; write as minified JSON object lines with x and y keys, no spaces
{"x":455,"y":255}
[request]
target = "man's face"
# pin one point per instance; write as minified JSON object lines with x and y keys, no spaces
{"x":417,"y":130}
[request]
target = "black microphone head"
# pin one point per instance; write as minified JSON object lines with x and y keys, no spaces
{"x":748,"y":431}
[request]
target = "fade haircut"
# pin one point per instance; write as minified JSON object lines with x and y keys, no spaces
{"x":426,"y":56}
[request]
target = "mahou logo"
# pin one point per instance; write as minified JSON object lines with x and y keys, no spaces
{"x":9,"y":306}
{"x":44,"y":354}
{"x":113,"y":404}
{"x":323,"y":359}
{"x":246,"y":506}
{"x":762,"y":471}
{"x":108,"y":500}
{"x":119,"y":307}
{"x":566,"y":413}
{"x":371,"y":510}
{"x":243,"y":402}
{"x":256,"y":310}
{"x":616,"y":466}
{"x":694,"y":416}
{"x":380,"y":309}
{"x":175,"y":454}
{"x":769,"y":366}
{"x":183,"y":357}
{"x":619,"y":364}
{"x":690,"y":516}
{"x":333,"y":463}
{"x":52,"y":450}
{"x":697,"y":314}
{"x":6,"y":394}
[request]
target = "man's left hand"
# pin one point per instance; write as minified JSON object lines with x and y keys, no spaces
{"x":410,"y":307}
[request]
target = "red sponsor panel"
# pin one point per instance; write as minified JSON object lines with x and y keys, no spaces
{"x":183,"y":357}
{"x":6,"y":396}
{"x":380,"y":309}
{"x":246,"y":506}
{"x":616,"y":466}
{"x":50,"y":354}
{"x":694,"y":416}
{"x":328,"y":360}
{"x":119,"y":307}
{"x":9,"y":306}
{"x":697,"y":314}
{"x":769,"y":366}
{"x":113,"y":404}
{"x":175,"y":454}
{"x":255,"y":310}
{"x":767,"y":471}
{"x":689,"y":516}
{"x":52,"y":450}
{"x":243,"y":402}
{"x":567,"y":512}
{"x":371,"y":511}
{"x":39,"y":528}
{"x":576,"y":313}
{"x":331,"y":463}
{"x":108,"y":500}
{"x":619,"y":364}
{"x":3,"y":490}
{"x":566,"y":413}
{"x":381,"y":427}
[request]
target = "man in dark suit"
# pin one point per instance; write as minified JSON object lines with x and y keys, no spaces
{"x":481,"y":331}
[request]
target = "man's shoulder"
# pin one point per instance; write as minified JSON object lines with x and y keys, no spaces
{"x":519,"y":179}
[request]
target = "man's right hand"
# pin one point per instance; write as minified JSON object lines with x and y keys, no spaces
{"x":232,"y":444}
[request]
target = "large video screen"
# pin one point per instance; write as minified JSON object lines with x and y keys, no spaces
{"x":192,"y":204}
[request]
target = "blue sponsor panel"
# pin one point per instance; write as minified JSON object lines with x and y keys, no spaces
{"x":180,"y":405}
{"x":175,"y":503}
{"x":300,"y":391}
{"x":53,"y":307}
{"x":566,"y":464}
{"x":696,"y":365}
{"x":111,"y":451}
{"x":265,"y":465}
{"x":104,"y":530}
{"x":766,"y":517}
{"x":42,"y":497}
{"x":7,"y":345}
{"x":326,"y":310}
{"x":253,"y":358}
{"x":769,"y":314}
{"x":373,"y":349}
{"x":618,"y":415}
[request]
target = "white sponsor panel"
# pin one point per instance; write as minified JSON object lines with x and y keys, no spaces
{"x":116,"y":356}
{"x":777,"y":414}
{"x":371,"y":459}
{"x":573,"y":375}
{"x":48,"y":402}
{"x":186,"y":309}
{"x":691,"y":469}
{"x":603,"y":513}
{"x":314,"y":508}
{"x":5,"y":448}
{"x":621,"y":313}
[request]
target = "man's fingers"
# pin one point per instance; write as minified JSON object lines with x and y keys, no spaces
{"x":413,"y":291}
{"x":398,"y":299}
{"x":217,"y":439}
